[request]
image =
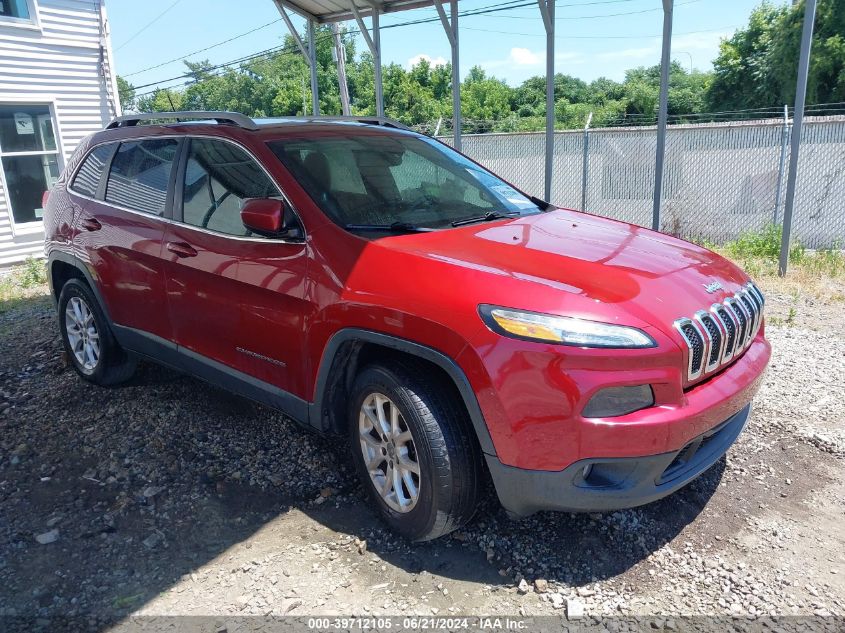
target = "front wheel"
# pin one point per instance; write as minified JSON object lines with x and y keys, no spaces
{"x":413,"y":447}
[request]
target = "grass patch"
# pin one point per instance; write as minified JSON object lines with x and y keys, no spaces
{"x":819,"y":274}
{"x":22,"y":282}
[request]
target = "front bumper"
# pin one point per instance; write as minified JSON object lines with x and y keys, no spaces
{"x":613,"y":483}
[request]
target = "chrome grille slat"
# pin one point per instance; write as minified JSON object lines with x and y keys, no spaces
{"x":714,"y":339}
{"x":754,"y":314}
{"x":731,"y":326}
{"x":719,"y":335}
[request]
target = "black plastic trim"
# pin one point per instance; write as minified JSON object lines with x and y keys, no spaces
{"x":169,"y":353}
{"x":447,"y":364}
{"x":77,"y":263}
{"x":644,"y":479}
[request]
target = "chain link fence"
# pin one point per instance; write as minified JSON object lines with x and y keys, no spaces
{"x":720,"y":180}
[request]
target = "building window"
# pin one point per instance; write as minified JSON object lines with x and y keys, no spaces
{"x":29,"y":156}
{"x":17,"y":11}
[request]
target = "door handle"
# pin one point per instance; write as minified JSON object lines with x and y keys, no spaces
{"x":181,"y":249}
{"x":91,"y":224}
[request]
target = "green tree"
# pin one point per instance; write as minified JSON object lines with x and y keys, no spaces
{"x":162,"y":100}
{"x":757,"y":67}
{"x":125,"y":94}
{"x":743,"y":75}
{"x":484,"y":99}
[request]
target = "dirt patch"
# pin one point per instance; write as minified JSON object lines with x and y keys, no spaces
{"x":167,"y":496}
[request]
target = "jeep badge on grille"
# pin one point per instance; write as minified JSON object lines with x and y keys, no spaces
{"x":712,"y":286}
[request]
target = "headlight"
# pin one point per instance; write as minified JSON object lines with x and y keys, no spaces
{"x":532,"y":326}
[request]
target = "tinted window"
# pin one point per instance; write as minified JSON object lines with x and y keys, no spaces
{"x":139,"y":175}
{"x":379,"y":179}
{"x":219,"y":176}
{"x":87,"y":179}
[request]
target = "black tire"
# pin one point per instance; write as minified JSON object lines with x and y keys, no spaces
{"x":113,"y":365}
{"x":445,"y":448}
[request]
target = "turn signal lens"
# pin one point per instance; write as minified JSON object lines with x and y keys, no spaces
{"x":562,"y":330}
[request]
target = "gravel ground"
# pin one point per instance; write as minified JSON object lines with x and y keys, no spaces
{"x":167,"y":496}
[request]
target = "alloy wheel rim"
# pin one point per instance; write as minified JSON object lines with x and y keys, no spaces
{"x":390,"y":455}
{"x":82,"y":334}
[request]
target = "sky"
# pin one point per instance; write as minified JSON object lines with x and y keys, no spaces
{"x":594,"y":38}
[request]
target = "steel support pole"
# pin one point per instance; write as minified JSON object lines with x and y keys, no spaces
{"x":377,"y":61}
{"x":547,"y":10}
{"x":312,"y":62}
{"x":784,"y":137}
{"x":585,"y":167}
{"x":374,"y":44}
{"x":662,"y":113}
{"x":450,"y":25}
{"x":456,"y":78}
{"x":798,"y":120}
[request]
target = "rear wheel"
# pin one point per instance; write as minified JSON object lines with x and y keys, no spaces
{"x":414,"y":450}
{"x":88,"y":340}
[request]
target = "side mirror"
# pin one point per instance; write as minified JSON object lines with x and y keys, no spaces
{"x":270,"y":217}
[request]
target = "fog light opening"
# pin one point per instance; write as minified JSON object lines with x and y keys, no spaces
{"x":612,"y":402}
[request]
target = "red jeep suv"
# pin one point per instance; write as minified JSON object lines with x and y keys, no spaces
{"x":367,"y":280}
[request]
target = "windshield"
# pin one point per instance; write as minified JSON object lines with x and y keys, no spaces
{"x":390,"y":181}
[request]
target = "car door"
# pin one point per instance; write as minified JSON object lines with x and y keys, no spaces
{"x":234,"y":298}
{"x":119,"y":234}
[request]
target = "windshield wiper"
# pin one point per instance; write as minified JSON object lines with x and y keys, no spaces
{"x":395,"y":227}
{"x":541,"y":204}
{"x":487,"y":217}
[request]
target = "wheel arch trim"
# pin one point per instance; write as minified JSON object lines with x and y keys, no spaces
{"x":75,"y":262}
{"x":444,"y":362}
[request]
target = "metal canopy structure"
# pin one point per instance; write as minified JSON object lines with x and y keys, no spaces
{"x":331,"y":11}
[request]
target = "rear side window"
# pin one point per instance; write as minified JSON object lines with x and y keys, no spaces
{"x":140,"y":173}
{"x":219,"y":176}
{"x":87,"y":179}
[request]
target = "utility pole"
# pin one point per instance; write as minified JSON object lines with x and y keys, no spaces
{"x":340,"y":59}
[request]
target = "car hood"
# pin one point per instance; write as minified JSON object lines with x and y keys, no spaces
{"x":567,"y":262}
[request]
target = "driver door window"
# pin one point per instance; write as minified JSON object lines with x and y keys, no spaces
{"x":219,"y":176}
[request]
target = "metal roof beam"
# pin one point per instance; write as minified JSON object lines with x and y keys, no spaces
{"x":373,"y":42}
{"x":280,"y":5}
{"x":296,"y":9}
{"x":309,"y":52}
{"x":365,"y":32}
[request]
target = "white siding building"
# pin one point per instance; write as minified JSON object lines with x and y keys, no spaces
{"x":56,"y":86}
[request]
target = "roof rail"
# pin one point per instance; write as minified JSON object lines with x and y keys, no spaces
{"x":230,"y":118}
{"x":372,"y":120}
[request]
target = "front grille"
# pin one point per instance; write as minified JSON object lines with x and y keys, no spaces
{"x":716,"y":336}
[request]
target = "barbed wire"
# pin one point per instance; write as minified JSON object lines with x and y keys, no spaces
{"x":515,"y":124}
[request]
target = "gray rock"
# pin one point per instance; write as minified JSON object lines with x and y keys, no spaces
{"x":574,"y":609}
{"x":48,"y":537}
